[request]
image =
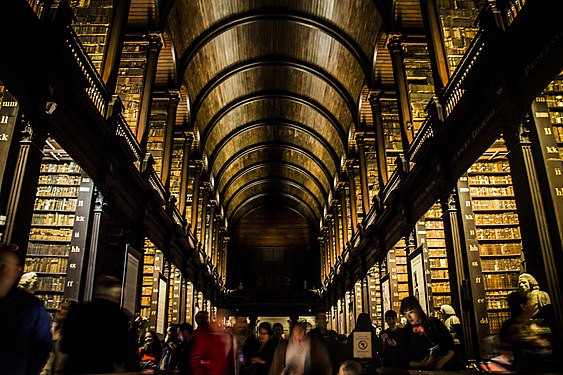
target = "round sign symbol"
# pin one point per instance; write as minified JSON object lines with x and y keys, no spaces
{"x":362,"y":344}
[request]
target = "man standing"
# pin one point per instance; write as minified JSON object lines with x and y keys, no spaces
{"x":27,"y":337}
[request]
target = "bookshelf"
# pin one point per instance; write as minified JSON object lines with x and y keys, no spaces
{"x":397,"y":270}
{"x":554,"y":97}
{"x":358,"y":193}
{"x":92,"y":26}
{"x":430,"y":233}
{"x":418,"y":73}
{"x":148,"y":279}
{"x":374,"y":294}
{"x":52,"y":224}
{"x":371,"y":167}
{"x":457,"y":19}
{"x":130,"y":79}
{"x":391,"y":131}
{"x":157,"y":129}
{"x":190,"y":305}
{"x":153,"y":287}
{"x":497,"y":230}
{"x":174,"y":295}
{"x":176,"y":167}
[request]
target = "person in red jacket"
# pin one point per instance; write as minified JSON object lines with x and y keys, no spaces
{"x":210,"y":349}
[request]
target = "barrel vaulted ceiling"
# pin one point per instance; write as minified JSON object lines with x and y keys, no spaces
{"x":274,"y":89}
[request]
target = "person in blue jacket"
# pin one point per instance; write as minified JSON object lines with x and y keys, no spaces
{"x":26,"y":324}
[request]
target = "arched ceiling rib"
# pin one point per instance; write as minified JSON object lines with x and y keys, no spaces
{"x":284,"y":73}
{"x":275,"y":92}
{"x":280,"y":199}
{"x":262,"y":186}
{"x":268,"y":106}
{"x":297,"y":38}
{"x":356,"y":21}
{"x":264,"y":171}
{"x":274,"y":154}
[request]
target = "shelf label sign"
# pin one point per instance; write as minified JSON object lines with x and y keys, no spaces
{"x":8,"y":117}
{"x":78,"y":242}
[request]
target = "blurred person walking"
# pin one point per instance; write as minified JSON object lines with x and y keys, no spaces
{"x":522,"y":340}
{"x":96,"y":335}
{"x":27,"y":338}
{"x":210,"y":348}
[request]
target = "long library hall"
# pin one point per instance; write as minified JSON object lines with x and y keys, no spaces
{"x":374,"y":184}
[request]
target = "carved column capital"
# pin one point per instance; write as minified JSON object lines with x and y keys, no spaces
{"x":360,"y":138}
{"x":173,"y":97}
{"x":155,"y":41}
{"x":394,"y":42}
{"x":375,"y":98}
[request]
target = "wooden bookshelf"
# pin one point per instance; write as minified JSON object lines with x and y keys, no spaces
{"x":430,"y":233}
{"x":392,"y":132}
{"x":554,"y":97}
{"x":397,"y":270}
{"x":374,"y":294}
{"x":92,"y":19}
{"x":130,"y":79}
{"x":418,"y":73}
{"x":52,"y":223}
{"x":458,"y":28}
{"x":157,"y":129}
{"x":497,"y":230}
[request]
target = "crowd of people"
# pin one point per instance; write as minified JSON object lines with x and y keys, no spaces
{"x":100,"y":337}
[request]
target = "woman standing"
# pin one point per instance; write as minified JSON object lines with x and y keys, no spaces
{"x":149,"y":353}
{"x":426,"y":342}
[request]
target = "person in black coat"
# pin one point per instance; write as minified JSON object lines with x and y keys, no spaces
{"x":96,"y":336}
{"x":390,"y":339}
{"x":426,"y":343}
{"x":369,"y":361}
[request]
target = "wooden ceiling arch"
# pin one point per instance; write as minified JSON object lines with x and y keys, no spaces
{"x":275,"y":93}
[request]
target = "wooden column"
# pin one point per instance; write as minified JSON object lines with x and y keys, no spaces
{"x":224,"y":255}
{"x":195,"y":196}
{"x":97,"y":237}
{"x":77,"y":266}
{"x":114,"y":44}
{"x":438,"y":59}
{"x":21,"y":198}
{"x":188,"y":138}
{"x":363,"y":173}
{"x":206,"y":187}
{"x":327,"y":248}
{"x":338,"y":248}
{"x":402,"y":88}
{"x":210,"y":229}
{"x":380,"y":151}
{"x":537,"y":174}
{"x":472,"y":288}
{"x":331,"y":242}
{"x":352,"y":189}
{"x":366,"y":302}
{"x":216,"y":242}
{"x":173,"y":100}
{"x":322,"y":258}
{"x":344,"y":204}
{"x":455,"y":249}
{"x":146,"y":97}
